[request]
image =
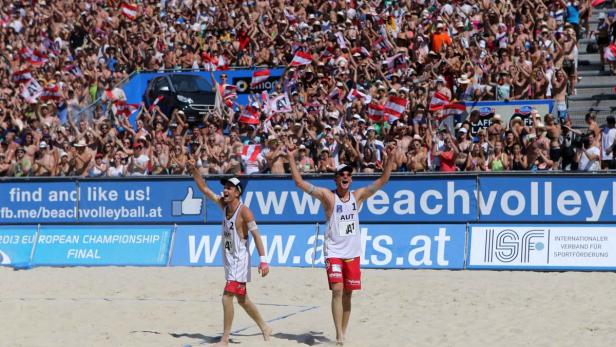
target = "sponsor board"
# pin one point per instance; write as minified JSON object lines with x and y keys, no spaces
{"x":460,"y":199}
{"x":507,"y":110}
{"x":109,"y":245}
{"x":542,"y":247}
{"x":384,"y":246}
{"x":16,"y":245}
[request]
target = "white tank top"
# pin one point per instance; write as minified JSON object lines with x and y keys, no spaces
{"x":235,"y":252}
{"x":343,"y":237}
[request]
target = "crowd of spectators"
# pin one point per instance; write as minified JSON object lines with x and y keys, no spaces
{"x":466,"y":50}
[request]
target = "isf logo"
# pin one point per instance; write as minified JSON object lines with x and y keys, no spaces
{"x":511,"y":246}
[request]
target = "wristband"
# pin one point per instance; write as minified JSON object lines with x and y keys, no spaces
{"x":263,"y":259}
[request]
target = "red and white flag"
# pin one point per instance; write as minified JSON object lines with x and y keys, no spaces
{"x":394,"y":108}
{"x":129,"y":11}
{"x":229,"y":94}
{"x":250,"y":153}
{"x":301,"y":58}
{"x":596,"y":3}
{"x":73,"y":70}
{"x":259,"y":76}
{"x":51,"y":93}
{"x":156,"y":101}
{"x":453,"y":109}
{"x":31,"y":91}
{"x":376,"y":112}
{"x":610,"y":52}
{"x":250,"y":115}
{"x":122,"y":107}
{"x":38,"y":58}
{"x":280,"y":103}
{"x":335,"y":94}
{"x":396,"y":62}
{"x":21,"y":76}
{"x":25,"y":53}
{"x":438,"y":101}
{"x":356,"y":94}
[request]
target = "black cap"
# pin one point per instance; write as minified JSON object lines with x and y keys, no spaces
{"x":234,"y":181}
{"x":342,"y":168}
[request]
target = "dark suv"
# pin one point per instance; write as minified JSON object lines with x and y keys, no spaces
{"x":188,"y":93}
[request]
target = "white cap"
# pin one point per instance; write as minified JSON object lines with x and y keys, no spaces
{"x":43,"y":144}
{"x":356,"y":116}
{"x":463,"y":130}
{"x":370,"y":128}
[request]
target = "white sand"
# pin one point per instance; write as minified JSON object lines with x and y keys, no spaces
{"x":181,"y":306}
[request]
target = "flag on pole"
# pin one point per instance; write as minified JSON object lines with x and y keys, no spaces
{"x":438,"y":101}
{"x":301,"y":58}
{"x":376,"y":112}
{"x":394,"y":108}
{"x":249,"y":115}
{"x":129,"y":11}
{"x":259,"y":76}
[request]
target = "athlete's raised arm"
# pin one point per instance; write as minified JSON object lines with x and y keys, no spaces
{"x":390,"y":163}
{"x":323,"y":194}
{"x":201,"y":183}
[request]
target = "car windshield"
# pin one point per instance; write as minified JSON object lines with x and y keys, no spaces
{"x":190,"y":84}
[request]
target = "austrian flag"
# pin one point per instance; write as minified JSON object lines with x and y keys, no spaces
{"x":250,"y":115}
{"x":394,"y":108}
{"x":439,"y":100}
{"x":129,"y":11}
{"x":301,"y":58}
{"x":375,"y":112}
{"x":21,"y":76}
{"x":259,"y":76}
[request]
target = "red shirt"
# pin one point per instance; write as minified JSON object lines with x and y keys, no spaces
{"x":448,"y":162}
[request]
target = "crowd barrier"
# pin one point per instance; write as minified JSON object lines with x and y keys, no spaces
{"x":541,"y":222}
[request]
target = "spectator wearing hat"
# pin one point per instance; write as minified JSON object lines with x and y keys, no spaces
{"x":45,"y":163}
{"x":325,"y":162}
{"x":82,"y":158}
{"x":99,"y":168}
{"x":440,"y":38}
{"x":20,"y":167}
{"x":304,"y":163}
{"x":138,"y":161}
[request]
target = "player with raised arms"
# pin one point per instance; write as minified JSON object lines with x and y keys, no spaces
{"x":238,"y":223}
{"x":342,"y":246}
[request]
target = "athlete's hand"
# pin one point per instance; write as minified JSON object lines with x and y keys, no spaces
{"x":291,"y":149}
{"x":190,"y":165}
{"x":263,"y":269}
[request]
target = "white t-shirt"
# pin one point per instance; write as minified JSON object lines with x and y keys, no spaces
{"x":607,"y":140}
{"x":586,"y":164}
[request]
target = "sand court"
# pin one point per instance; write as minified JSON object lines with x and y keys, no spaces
{"x":130,"y":306}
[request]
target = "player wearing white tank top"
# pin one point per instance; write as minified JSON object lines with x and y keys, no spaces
{"x":342,"y":247}
{"x":239,"y":223}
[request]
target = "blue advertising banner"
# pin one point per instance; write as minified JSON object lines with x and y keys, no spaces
{"x":547,"y":199}
{"x":427,"y":246}
{"x":141,"y":201}
{"x":35,"y":202}
{"x":16,"y":245}
{"x":110,"y":245}
{"x":405,"y":200}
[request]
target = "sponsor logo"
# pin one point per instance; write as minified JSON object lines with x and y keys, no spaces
{"x":336,"y":268}
{"x":524,"y":110}
{"x":353,"y":282}
{"x":338,"y":208}
{"x":243,"y":84}
{"x":486,"y":110}
{"x":508,"y":245}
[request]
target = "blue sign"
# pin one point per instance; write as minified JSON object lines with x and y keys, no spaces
{"x":34,"y":202}
{"x":384,"y":245}
{"x":140,"y":201}
{"x":401,"y":200}
{"x":110,"y":245}
{"x":16,"y":245}
{"x":547,"y":199}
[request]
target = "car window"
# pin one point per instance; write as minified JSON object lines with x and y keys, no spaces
{"x":162,"y":82}
{"x":190,"y":83}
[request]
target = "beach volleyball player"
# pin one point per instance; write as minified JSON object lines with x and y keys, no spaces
{"x":342,"y":246}
{"x":238,"y":223}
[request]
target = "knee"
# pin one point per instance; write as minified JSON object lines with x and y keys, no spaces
{"x":337,"y":293}
{"x":242,"y":300}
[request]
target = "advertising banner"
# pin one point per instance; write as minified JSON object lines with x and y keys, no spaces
{"x":574,"y":247}
{"x":16,"y":245}
{"x":401,"y":200}
{"x":547,"y":199}
{"x":36,"y":202}
{"x":507,"y":110}
{"x":427,"y":246}
{"x":110,"y":245}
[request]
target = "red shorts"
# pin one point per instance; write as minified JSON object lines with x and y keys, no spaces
{"x":344,"y":271}
{"x":235,"y":287}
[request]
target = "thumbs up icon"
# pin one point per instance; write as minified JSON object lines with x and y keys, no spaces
{"x":189,"y":206}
